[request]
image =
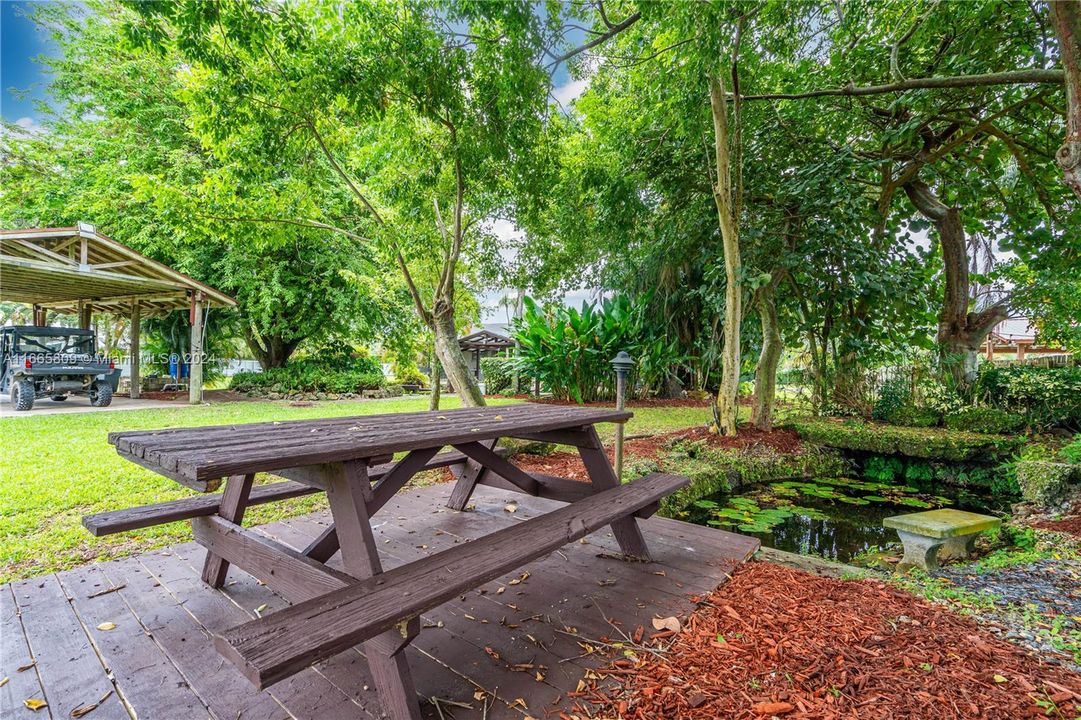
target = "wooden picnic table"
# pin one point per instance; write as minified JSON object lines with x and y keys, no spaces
{"x":350,"y":459}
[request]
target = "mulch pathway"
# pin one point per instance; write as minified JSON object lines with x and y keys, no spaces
{"x":779,"y":642}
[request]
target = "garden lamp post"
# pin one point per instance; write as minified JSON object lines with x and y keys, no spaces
{"x":623,"y":364}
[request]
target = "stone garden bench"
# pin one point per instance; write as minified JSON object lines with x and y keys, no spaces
{"x":946,"y":534}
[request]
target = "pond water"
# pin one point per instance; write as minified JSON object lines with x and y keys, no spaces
{"x":835,"y":518}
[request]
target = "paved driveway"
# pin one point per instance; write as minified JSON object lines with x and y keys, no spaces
{"x":79,"y":404}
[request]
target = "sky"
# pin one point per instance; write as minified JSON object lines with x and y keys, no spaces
{"x":24,"y":81}
{"x":20,"y":43}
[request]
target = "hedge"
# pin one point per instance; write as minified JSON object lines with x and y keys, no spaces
{"x":928,"y":443}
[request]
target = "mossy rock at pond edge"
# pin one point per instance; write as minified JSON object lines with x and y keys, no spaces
{"x":1047,"y":483}
{"x":927,"y":443}
{"x":718,"y":471}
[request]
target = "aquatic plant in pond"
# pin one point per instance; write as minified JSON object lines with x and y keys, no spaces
{"x":834,"y":517}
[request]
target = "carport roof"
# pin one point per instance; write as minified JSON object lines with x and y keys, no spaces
{"x":58,"y":268}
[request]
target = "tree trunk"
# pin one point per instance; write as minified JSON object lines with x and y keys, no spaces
{"x":726,"y":199}
{"x":450,"y":356}
{"x":765,"y":374}
{"x":960,"y":332}
{"x":1066,"y":19}
{"x":271,"y":352}
{"x":433,"y":399}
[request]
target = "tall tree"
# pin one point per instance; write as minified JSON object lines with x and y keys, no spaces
{"x":422,"y":112}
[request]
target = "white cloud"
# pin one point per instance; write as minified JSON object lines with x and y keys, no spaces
{"x":30,"y":125}
{"x":567,"y":93}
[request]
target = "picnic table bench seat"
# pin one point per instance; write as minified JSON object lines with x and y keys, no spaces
{"x":275,"y":647}
{"x":144,"y":516}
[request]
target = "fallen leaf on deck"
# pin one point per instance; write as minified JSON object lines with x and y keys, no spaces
{"x":259,"y":610}
{"x":4,"y":681}
{"x":500,"y":591}
{"x":668,"y":623}
{"x":27,"y":666}
{"x":80,"y":711}
{"x":540,"y":676}
{"x":107,"y":626}
{"x":498,"y":417}
{"x":479,"y":695}
{"x":34,"y":703}
{"x":511,"y":508}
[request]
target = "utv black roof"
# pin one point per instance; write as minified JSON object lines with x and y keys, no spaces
{"x":41,"y":330}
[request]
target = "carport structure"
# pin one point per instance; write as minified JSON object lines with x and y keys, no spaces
{"x":80,"y":271}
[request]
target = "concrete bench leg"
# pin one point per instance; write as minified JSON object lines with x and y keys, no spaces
{"x":958,"y":548}
{"x":920,"y":551}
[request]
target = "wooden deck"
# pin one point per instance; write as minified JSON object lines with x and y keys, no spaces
{"x":511,"y":649}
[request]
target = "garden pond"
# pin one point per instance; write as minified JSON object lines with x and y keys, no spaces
{"x":832,"y":517}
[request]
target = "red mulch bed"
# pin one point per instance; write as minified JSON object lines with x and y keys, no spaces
{"x":1070,"y":524}
{"x":569,"y":464}
{"x":801,"y":646}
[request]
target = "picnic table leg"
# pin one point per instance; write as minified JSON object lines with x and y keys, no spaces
{"x":467,"y":480}
{"x":234,"y":501}
{"x":603,"y":477}
{"x":349,"y":492}
{"x":323,"y":547}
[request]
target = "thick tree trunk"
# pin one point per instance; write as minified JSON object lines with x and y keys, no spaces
{"x":960,"y":332}
{"x":271,"y":352}
{"x":765,"y":374}
{"x":433,"y":399}
{"x":1066,"y":19}
{"x":726,"y":199}
{"x":450,"y":356}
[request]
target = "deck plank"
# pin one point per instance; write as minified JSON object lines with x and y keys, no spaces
{"x":69,"y":667}
{"x":148,"y":681}
{"x":188,"y":646}
{"x":15,"y":654}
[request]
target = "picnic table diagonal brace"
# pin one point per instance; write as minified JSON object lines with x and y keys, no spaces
{"x":601,"y":474}
{"x":233,"y":503}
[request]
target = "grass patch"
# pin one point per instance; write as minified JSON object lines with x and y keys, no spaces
{"x":57,"y":468}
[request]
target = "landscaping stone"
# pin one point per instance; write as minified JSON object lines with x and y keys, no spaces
{"x":1047,"y":483}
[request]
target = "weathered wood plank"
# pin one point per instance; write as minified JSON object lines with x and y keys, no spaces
{"x":234,"y":501}
{"x":603,"y":476}
{"x":150,"y":682}
{"x":306,"y":694}
{"x":482,"y":455}
{"x":135,"y":518}
{"x":274,"y":648}
{"x":184,"y":641}
{"x":204,"y":454}
{"x":286,"y":571}
{"x":14,"y":654}
{"x":67,"y":663}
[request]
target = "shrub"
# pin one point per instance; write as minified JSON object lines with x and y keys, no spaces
{"x":931,"y":444}
{"x":499,"y":375}
{"x":913,"y":416}
{"x":1046,"y":483}
{"x":335,"y":374}
{"x":1045,"y":397}
{"x":410,"y":375}
{"x":985,"y":420}
{"x":894,"y":395}
{"x":1072,"y":453}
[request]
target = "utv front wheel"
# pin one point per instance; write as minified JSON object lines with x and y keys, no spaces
{"x":22,"y":395}
{"x":101,"y":393}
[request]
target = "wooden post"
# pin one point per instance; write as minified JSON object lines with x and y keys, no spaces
{"x":195,"y":369}
{"x":41,"y":315}
{"x":84,"y":311}
{"x":133,"y":352}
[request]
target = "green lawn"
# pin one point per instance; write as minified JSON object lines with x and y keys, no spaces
{"x":57,"y":468}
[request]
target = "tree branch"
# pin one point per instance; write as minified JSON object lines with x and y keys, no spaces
{"x":1014,"y":77}
{"x":613,"y":30}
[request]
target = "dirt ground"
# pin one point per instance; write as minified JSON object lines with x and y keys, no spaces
{"x":779,"y":642}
